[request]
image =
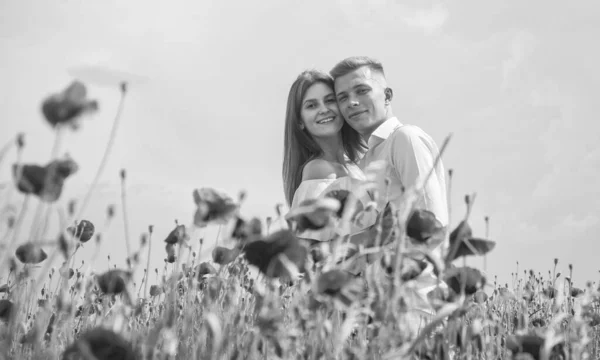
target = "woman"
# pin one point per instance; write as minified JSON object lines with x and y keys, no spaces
{"x":321,"y":151}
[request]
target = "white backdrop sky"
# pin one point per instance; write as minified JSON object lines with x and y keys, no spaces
{"x":515,"y":81}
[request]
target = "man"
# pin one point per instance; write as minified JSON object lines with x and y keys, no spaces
{"x":364,"y":100}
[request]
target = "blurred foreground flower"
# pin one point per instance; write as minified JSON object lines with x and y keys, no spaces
{"x":422,"y":226}
{"x":213,"y":207}
{"x":177,"y":235}
{"x":45,"y":182}
{"x":6,"y":307}
{"x":531,"y":344}
{"x":471,"y":278}
{"x":340,"y":285}
{"x":266,"y":254}
{"x":66,"y":107}
{"x":313,"y":214}
{"x":102,"y":344}
{"x":113,"y":281}
{"x":223,"y":256}
{"x":30,"y":253}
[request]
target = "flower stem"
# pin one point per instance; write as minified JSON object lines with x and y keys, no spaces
{"x":104,"y":160}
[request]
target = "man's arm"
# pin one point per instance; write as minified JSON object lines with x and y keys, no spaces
{"x":413,"y":156}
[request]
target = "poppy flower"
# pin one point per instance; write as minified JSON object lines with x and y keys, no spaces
{"x":530,"y":344}
{"x":6,"y":307}
{"x":411,"y":268}
{"x":83,"y":231}
{"x":170,"y":248}
{"x":155,"y":290}
{"x":341,"y":285}
{"x":480,"y":297}
{"x":213,"y":207}
{"x":244,"y":230}
{"x":423,"y":225}
{"x":575,"y":292}
{"x":103,"y":344}
{"x":45,"y":182}
{"x":313,"y":214}
{"x":473,"y":246}
{"x":472,"y":278}
{"x":66,"y":107}
{"x":264,"y":253}
{"x":177,"y":235}
{"x":30,"y":253}
{"x":113,"y":281}
{"x":205,"y":269}
{"x":223,"y":256}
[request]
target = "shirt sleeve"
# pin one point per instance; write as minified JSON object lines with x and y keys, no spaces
{"x":413,"y":155}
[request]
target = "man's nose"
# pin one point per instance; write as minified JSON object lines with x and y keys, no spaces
{"x":353,"y":101}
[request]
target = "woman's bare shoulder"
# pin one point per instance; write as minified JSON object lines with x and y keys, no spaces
{"x":318,"y":169}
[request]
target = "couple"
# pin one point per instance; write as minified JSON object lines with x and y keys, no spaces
{"x":339,"y":123}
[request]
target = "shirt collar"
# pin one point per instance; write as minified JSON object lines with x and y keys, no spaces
{"x":383,"y":131}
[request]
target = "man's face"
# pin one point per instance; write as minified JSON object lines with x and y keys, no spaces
{"x":361,"y":99}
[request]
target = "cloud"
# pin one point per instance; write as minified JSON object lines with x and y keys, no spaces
{"x":521,"y":46}
{"x":428,"y":20}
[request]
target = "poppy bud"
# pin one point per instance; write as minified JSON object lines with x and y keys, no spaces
{"x":20,"y":140}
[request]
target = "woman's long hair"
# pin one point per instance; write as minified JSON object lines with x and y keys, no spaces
{"x":299,"y":146}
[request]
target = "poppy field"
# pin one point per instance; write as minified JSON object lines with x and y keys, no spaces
{"x":266,"y":293}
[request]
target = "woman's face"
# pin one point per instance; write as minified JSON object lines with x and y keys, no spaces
{"x":320,"y":114}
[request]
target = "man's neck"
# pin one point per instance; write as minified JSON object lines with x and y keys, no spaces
{"x":367,"y":135}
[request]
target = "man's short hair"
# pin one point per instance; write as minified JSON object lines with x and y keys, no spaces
{"x":354,"y":62}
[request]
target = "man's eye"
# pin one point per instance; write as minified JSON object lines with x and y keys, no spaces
{"x":343,"y":98}
{"x":363,"y":91}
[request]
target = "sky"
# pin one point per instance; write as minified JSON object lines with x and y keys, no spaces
{"x":514,"y":82}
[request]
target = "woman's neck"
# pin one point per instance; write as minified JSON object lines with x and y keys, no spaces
{"x":333,"y":149}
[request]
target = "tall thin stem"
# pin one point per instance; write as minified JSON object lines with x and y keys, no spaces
{"x":104,"y":160}
{"x":125,"y":219}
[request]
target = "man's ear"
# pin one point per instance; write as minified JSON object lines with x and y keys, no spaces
{"x":389,"y":95}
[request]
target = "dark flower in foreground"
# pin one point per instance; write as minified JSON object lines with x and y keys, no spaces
{"x":4,"y":288}
{"x":341,"y":285}
{"x":472,"y":279}
{"x":530,"y":344}
{"x":575,"y":292}
{"x":102,"y":344}
{"x":45,"y":182}
{"x":313,"y":214}
{"x":410,"y":269}
{"x":474,"y":246}
{"x":480,"y":297}
{"x":30,"y":253}
{"x":244,"y":230}
{"x":113,"y":281}
{"x":177,"y":235}
{"x":264,"y":254}
{"x":83,"y":231}
{"x":423,"y":225}
{"x":223,"y":256}
{"x":6,"y":307}
{"x":213,"y":207}
{"x":549,"y":292}
{"x":155,"y":290}
{"x":205,"y":269}
{"x":67,"y":106}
